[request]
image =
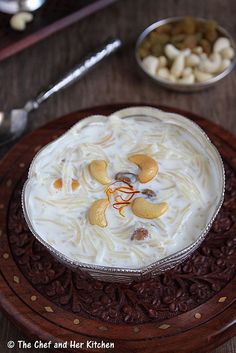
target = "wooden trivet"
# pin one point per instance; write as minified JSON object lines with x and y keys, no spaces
{"x":188,"y":309}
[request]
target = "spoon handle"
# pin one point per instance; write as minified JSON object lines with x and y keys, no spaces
{"x":80,"y":70}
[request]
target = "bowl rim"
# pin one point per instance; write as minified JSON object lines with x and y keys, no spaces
{"x":125,"y":270}
{"x":181,"y":86}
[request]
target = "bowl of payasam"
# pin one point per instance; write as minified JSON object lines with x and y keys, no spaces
{"x":125,"y":197}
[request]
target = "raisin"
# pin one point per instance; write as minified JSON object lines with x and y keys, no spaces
{"x":139,"y":234}
{"x":126,"y":177}
{"x":149,"y":193}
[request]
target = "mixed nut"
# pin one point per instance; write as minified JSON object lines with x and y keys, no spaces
{"x":186,"y":51}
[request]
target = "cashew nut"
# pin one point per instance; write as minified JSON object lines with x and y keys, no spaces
{"x":178,"y":66}
{"x":220,"y":44}
{"x":172,"y":78}
{"x":145,"y":209}
{"x":98,"y":170}
{"x":171,"y":51}
{"x":187,"y":72}
{"x":150,"y":64}
{"x":192,"y":60}
{"x":19,"y":20}
{"x":185,"y":52}
{"x":197,"y":50}
{"x":224,"y":64}
{"x":202,"y":76}
{"x":187,"y":79}
{"x":162,"y":61}
{"x":227,"y":53}
{"x":96,"y":213}
{"x":148,"y":166}
{"x":212,"y":64}
{"x":163,"y":73}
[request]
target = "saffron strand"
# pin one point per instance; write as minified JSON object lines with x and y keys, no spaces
{"x":120,"y":201}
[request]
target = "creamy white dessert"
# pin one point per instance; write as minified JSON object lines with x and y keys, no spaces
{"x":124,"y":190}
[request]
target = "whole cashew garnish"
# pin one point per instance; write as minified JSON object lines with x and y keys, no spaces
{"x":145,"y":209}
{"x":98,"y":170}
{"x":96,"y":213}
{"x":148,"y":166}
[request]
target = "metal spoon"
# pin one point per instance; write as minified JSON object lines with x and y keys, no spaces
{"x":14,"y":122}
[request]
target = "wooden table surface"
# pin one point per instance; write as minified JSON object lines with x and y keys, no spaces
{"x":117,"y":80}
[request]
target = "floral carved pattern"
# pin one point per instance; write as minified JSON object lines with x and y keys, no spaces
{"x":181,"y":289}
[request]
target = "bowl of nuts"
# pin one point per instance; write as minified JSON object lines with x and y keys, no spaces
{"x":186,"y":53}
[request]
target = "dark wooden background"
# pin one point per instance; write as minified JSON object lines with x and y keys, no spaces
{"x":117,"y":80}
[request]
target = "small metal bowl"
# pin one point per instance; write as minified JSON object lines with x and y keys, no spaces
{"x":198,"y":86}
{"x":127,"y":275}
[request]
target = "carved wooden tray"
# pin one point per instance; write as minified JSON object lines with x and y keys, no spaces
{"x":188,"y":309}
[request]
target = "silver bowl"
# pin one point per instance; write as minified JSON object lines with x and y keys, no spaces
{"x":127,"y":275}
{"x":198,"y":86}
{"x":14,"y":6}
